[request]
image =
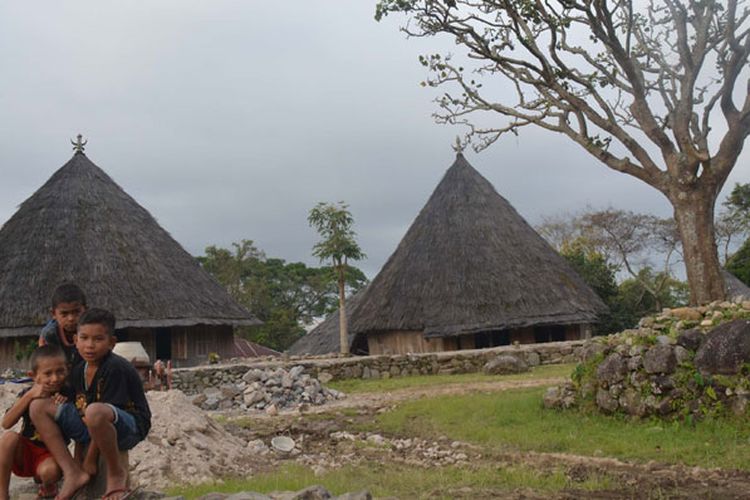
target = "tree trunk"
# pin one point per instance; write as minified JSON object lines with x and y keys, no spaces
{"x":694,"y":213}
{"x":343,"y":329}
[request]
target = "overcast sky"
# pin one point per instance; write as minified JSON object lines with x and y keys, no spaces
{"x":229,"y":120}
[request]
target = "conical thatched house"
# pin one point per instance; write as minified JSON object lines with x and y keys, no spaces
{"x":471,"y":273}
{"x":81,"y":227}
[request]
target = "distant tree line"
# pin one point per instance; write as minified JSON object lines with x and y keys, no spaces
{"x":286,"y":296}
{"x":642,"y":250}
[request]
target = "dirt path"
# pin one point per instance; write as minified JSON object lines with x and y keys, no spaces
{"x":325,"y":439}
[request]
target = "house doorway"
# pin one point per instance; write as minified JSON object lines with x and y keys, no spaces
{"x":163,"y":343}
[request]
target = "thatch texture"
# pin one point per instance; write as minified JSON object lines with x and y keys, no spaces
{"x":81,"y":227}
{"x":324,"y":338}
{"x":734,"y":287}
{"x":470,"y":263}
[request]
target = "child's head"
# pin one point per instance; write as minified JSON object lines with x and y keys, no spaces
{"x":96,"y":334}
{"x":68,"y":303}
{"x":49,"y":367}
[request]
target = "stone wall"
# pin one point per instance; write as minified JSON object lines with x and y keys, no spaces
{"x":681,"y":363}
{"x":197,"y":379}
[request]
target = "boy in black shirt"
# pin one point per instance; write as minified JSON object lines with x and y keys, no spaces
{"x":24,"y":454}
{"x":109,"y":396}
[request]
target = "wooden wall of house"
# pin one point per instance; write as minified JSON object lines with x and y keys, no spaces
{"x":403,"y":342}
{"x":8,"y":349}
{"x":184,"y":345}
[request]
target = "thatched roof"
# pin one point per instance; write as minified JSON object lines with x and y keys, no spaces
{"x":81,"y":227}
{"x":324,"y":338}
{"x":735,"y":288}
{"x":468,"y":263}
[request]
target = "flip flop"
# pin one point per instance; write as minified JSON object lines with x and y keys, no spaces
{"x":47,"y":492}
{"x":126,"y":493}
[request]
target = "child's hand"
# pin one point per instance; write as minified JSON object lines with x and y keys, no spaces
{"x":37,"y":391}
{"x":59,"y":398}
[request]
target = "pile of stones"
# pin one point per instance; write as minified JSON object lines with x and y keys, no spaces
{"x":268,"y":390}
{"x":681,"y":363}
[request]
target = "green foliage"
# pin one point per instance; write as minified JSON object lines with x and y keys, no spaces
{"x":22,"y":350}
{"x":739,"y":263}
{"x":285,"y":296}
{"x":334,"y":224}
{"x":634,"y":299}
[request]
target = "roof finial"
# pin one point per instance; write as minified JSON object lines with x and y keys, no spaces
{"x":78,"y":146}
{"x":458,"y":147}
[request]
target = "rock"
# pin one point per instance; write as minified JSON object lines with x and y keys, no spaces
{"x":612,"y":369}
{"x":316,"y":492}
{"x":691,"y":339}
{"x":533,"y":359}
{"x":726,"y":348}
{"x":687,"y":313}
{"x":559,"y":397}
{"x":591,"y":350}
{"x":682,"y":355}
{"x":360,"y":495}
{"x":326,"y":377}
{"x":632,"y":402}
{"x":505,"y":364}
{"x":663,"y":339}
{"x":248,"y":495}
{"x":660,"y":359}
{"x":605,"y":401}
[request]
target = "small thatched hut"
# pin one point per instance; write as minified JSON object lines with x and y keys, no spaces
{"x":471,"y":273}
{"x":325,"y":338}
{"x":81,"y":227}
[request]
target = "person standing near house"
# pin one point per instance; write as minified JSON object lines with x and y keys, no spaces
{"x":68,"y":303}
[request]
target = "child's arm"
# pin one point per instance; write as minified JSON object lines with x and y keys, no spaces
{"x":16,"y":411}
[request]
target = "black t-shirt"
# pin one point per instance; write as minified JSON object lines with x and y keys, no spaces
{"x":116,"y":382}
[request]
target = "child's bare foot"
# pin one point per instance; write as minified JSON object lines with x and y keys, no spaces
{"x":117,"y":486}
{"x":72,"y":483}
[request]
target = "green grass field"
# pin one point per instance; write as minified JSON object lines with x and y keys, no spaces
{"x":516,"y":420}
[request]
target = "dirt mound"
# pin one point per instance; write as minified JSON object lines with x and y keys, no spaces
{"x":185,"y":445}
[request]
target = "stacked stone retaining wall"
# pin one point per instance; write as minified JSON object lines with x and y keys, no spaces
{"x":197,"y":379}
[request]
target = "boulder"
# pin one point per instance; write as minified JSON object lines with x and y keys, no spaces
{"x":691,"y":339}
{"x":612,"y":370}
{"x":605,"y":401}
{"x":660,"y":359}
{"x":725,"y":350}
{"x":504,"y":364}
{"x":686,"y":313}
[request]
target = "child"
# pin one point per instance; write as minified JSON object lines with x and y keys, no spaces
{"x":68,"y":303}
{"x":25,"y":454}
{"x":110,"y":411}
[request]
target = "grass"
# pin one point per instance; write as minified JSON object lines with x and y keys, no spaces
{"x":404,"y":481}
{"x":351,"y":386}
{"x":516,"y":420}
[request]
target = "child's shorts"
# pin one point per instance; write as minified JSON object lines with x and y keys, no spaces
{"x":69,"y":420}
{"x":31,"y":456}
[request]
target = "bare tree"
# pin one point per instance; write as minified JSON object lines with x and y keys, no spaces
{"x":629,"y":241}
{"x":636,"y":83}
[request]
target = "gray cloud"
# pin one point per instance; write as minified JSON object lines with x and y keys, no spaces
{"x":231,"y":119}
